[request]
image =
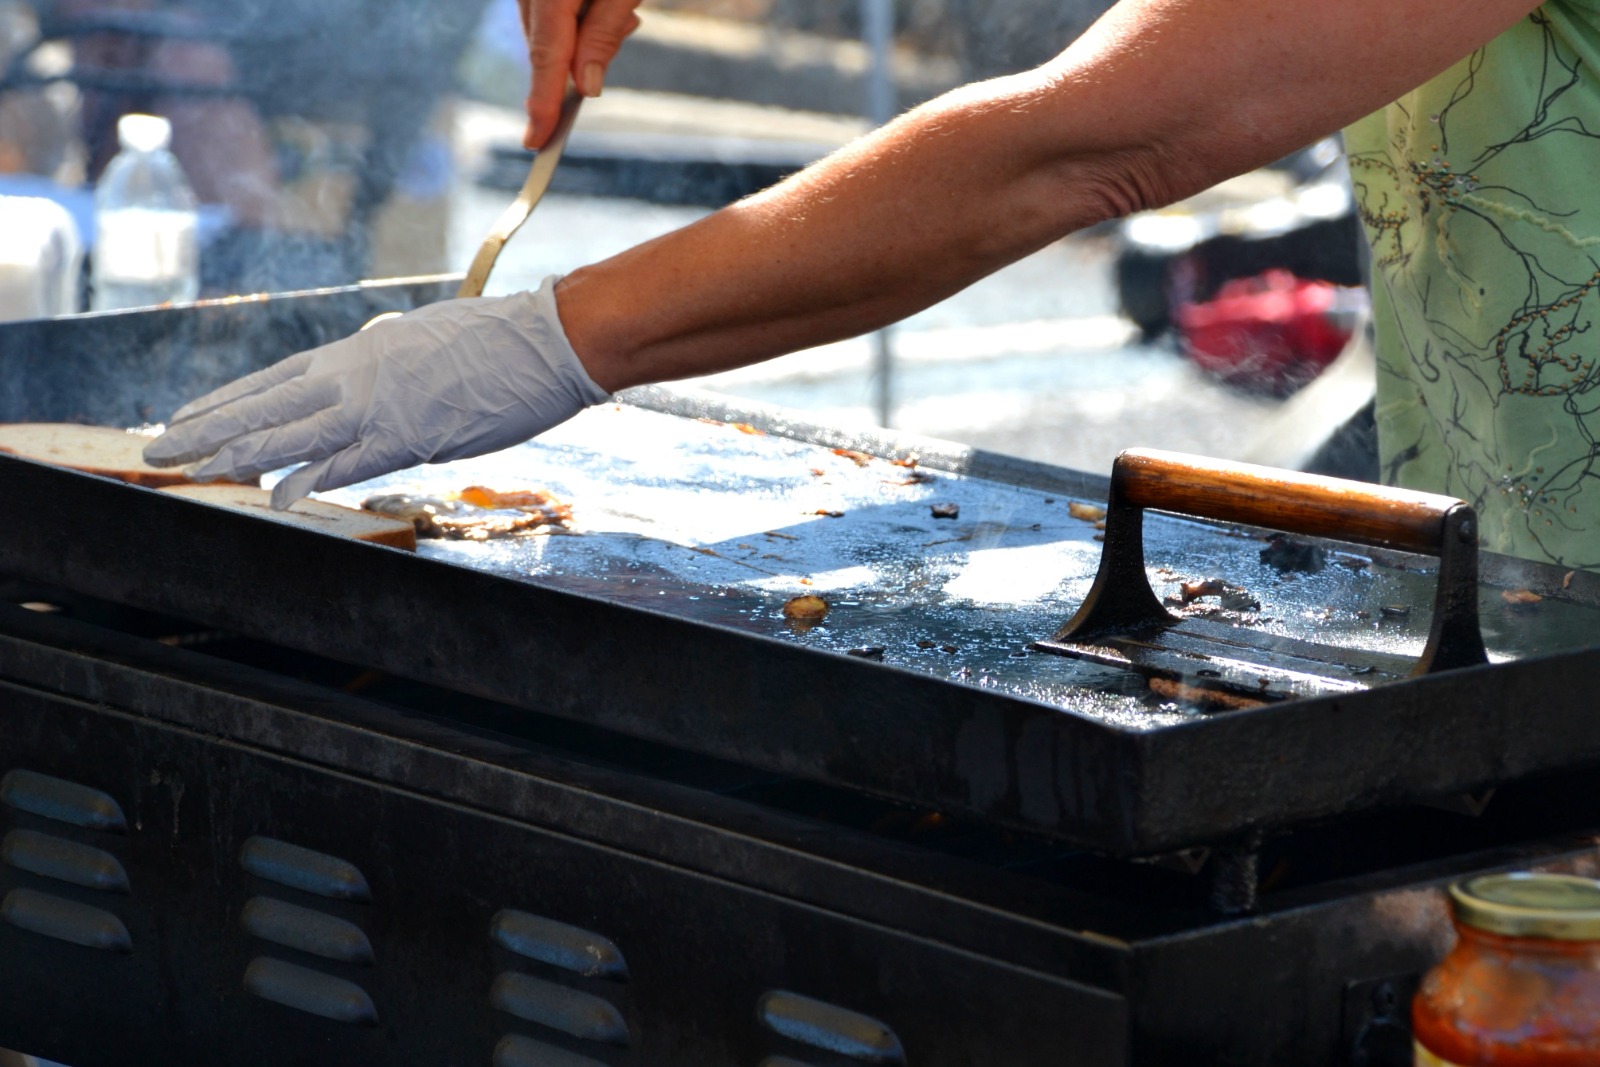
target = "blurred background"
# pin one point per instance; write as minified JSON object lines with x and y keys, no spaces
{"x":329,"y":142}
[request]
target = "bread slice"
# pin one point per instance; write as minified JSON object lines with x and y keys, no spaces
{"x":99,"y":450}
{"x":312,"y":514}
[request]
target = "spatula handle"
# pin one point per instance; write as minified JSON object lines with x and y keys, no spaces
{"x":1307,"y":504}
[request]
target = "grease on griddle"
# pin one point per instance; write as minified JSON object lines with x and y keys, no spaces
{"x":1395,"y":611}
{"x":1285,"y":555}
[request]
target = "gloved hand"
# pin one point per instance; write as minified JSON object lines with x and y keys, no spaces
{"x":454,"y":379}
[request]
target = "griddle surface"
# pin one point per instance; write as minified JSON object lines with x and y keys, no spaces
{"x":709,"y":522}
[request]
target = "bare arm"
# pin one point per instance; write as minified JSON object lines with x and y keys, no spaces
{"x":1159,"y":100}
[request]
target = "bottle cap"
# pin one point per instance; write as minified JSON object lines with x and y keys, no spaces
{"x":144,"y":133}
{"x":1559,"y":907}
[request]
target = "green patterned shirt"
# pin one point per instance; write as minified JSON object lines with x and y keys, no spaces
{"x":1480,"y":192}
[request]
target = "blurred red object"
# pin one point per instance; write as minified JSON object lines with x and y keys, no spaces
{"x":1273,"y":332}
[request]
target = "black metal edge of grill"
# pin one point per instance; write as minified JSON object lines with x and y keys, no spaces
{"x":761,"y":702}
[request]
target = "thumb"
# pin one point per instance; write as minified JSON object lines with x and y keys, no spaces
{"x":298,"y":483}
{"x":357,"y":463}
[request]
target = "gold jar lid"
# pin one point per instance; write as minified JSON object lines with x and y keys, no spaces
{"x":1560,"y":907}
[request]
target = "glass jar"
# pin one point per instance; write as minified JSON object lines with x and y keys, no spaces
{"x":1522,"y":985}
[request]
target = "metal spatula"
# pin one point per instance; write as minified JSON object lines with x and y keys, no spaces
{"x":533,"y":190}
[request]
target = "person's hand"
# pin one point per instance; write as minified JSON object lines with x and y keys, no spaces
{"x":454,"y":379}
{"x":563,"y":45}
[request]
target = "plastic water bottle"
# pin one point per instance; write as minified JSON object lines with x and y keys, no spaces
{"x":145,"y":251}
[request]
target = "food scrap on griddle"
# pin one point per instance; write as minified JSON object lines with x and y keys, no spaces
{"x":914,"y":478}
{"x":477,"y":513}
{"x":480,"y":496}
{"x":1086,"y":512}
{"x":1202,"y":697}
{"x":807,"y":609}
{"x":1230,"y":598}
{"x":913,"y":475}
{"x":1287,"y":555}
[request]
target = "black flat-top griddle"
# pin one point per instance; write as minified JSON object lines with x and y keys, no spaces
{"x":620,"y":638}
{"x":233,"y":828}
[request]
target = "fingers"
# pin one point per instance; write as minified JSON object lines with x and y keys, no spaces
{"x":357,"y":463}
{"x":552,"y":38}
{"x":276,"y":447}
{"x":606,"y":25}
{"x":206,"y":434}
{"x":250,"y":384}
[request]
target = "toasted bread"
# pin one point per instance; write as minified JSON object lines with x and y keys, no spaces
{"x":101,"y":450}
{"x":312,"y":514}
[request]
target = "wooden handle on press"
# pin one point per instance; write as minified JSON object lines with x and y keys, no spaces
{"x":1308,"y":504}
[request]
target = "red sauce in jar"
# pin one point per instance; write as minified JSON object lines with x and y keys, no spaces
{"x":1522,"y":986}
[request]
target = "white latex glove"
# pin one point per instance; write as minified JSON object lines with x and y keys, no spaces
{"x":454,"y":379}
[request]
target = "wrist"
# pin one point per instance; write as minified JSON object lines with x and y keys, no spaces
{"x":597,"y":329}
{"x":551,"y":359}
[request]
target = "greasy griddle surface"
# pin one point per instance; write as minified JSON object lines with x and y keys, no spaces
{"x":710,"y":522}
